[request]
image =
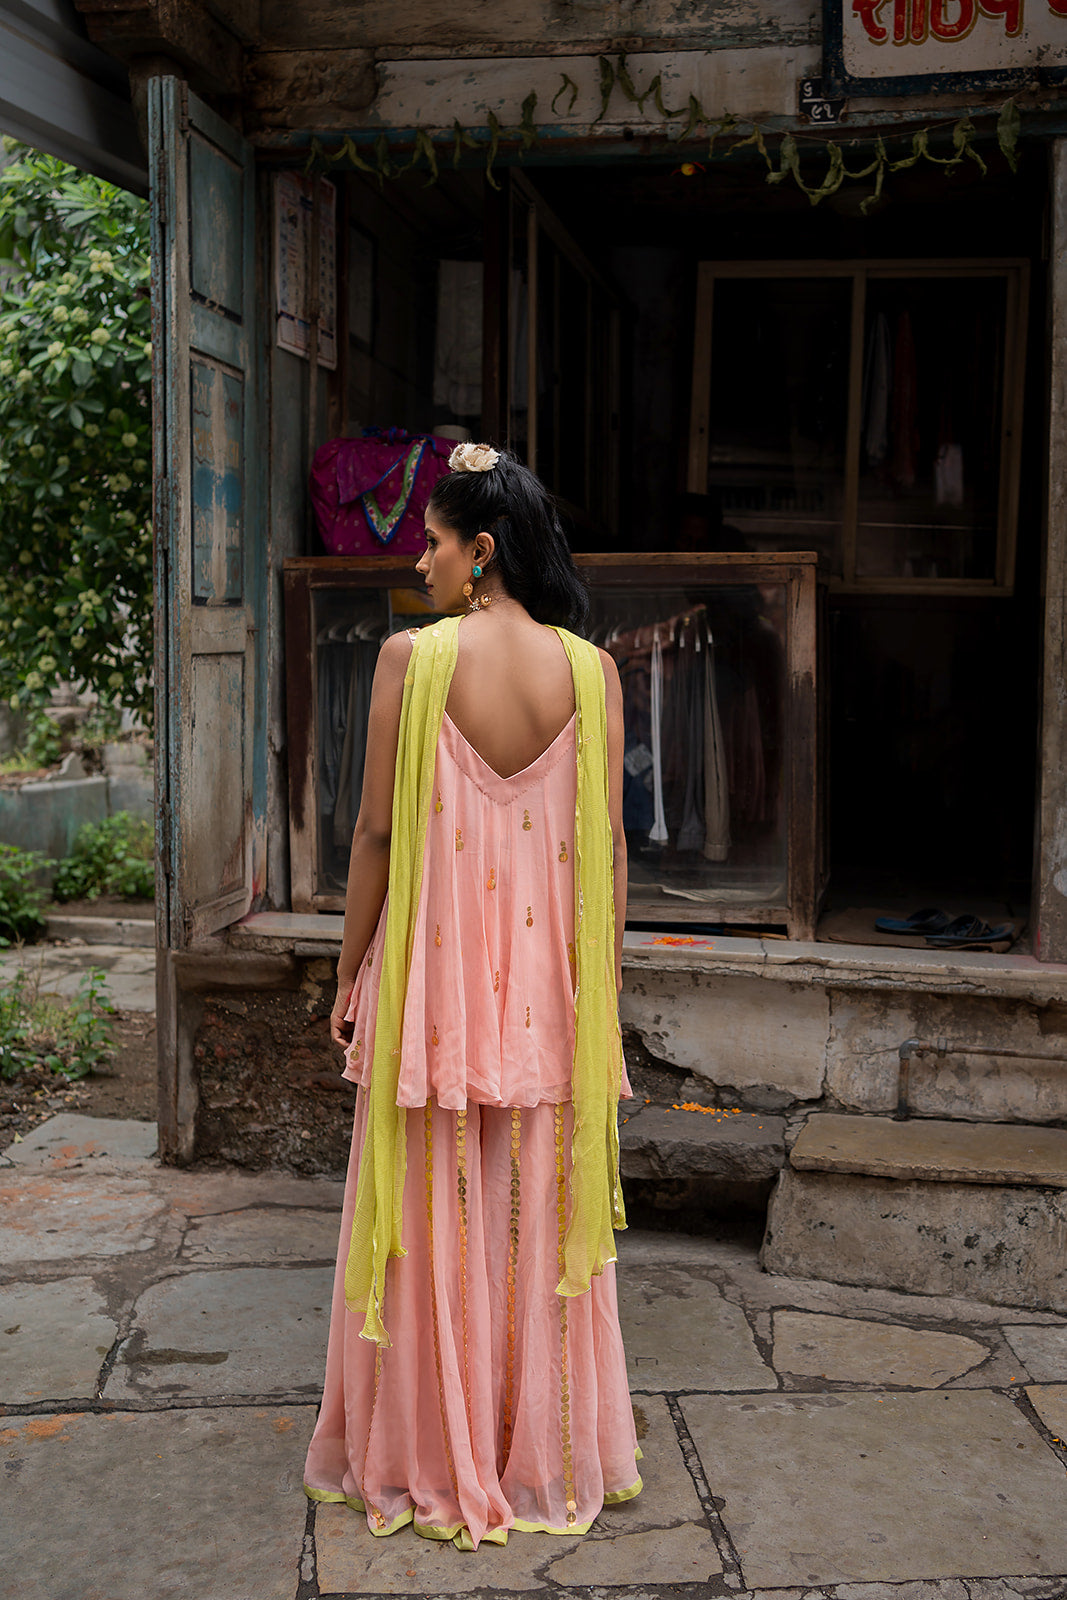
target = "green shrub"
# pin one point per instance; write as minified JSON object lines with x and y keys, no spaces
{"x":72,"y":1038}
{"x":21,"y":899}
{"x":110,"y":857}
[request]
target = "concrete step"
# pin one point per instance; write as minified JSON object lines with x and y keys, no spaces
{"x":138,"y":931}
{"x":657,"y":1141}
{"x":935,"y":1151}
{"x":943,"y":1208}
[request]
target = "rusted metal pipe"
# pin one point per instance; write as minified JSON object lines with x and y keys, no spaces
{"x":941,"y":1048}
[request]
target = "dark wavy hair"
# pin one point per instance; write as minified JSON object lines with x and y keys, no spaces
{"x":532,"y":554}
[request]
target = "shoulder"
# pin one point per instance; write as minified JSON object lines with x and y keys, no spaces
{"x":612,"y":684}
{"x":393,"y":658}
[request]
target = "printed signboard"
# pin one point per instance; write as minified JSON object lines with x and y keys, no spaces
{"x":900,"y":46}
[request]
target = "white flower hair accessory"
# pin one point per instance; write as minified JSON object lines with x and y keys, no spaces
{"x":473,"y":458}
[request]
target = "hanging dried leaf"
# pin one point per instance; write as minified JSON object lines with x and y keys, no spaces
{"x":568,"y":83}
{"x":1008,"y":133}
{"x":607,"y":84}
{"x":494,"y":145}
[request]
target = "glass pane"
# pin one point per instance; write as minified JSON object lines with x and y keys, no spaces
{"x":349,"y":629}
{"x":779,"y":400}
{"x":704,"y":801}
{"x":930,"y":447}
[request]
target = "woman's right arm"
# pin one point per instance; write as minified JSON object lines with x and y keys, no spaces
{"x":368,"y":862}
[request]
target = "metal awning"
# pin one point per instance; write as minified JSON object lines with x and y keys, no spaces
{"x":62,"y":94}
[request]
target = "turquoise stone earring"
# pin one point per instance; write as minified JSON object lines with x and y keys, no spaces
{"x":476,"y":572}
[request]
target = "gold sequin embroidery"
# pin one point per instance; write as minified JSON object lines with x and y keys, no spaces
{"x":527,"y":1016}
{"x":461,"y":1190}
{"x":563,"y":850}
{"x":526,"y":823}
{"x":459,"y":838}
{"x":437,"y":936}
{"x":433,"y":1037}
{"x":427,"y":1124}
{"x":529,"y":916}
{"x":513,"y":1256}
{"x":564,"y":1374}
{"x":491,"y":882}
{"x":439,"y":804}
{"x":496,"y":982}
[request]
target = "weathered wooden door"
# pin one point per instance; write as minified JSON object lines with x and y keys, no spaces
{"x":208,"y":448}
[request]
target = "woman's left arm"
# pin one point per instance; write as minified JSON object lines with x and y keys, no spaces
{"x":368,"y":862}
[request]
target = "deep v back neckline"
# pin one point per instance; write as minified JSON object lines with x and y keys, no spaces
{"x":522,"y":771}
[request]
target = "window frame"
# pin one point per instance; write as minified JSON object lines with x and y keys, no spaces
{"x":1016,"y":273}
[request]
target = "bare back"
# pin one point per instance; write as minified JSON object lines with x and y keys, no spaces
{"x":512,"y":691}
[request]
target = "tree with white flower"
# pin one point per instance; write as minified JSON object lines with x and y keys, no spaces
{"x":75,"y":435}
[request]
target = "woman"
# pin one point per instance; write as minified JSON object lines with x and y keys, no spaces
{"x":475,"y":1377}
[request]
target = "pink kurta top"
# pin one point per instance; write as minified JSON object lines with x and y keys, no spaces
{"x":489,"y":1013}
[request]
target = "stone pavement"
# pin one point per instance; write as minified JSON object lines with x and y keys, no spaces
{"x":162,"y":1337}
{"x":131,"y":972}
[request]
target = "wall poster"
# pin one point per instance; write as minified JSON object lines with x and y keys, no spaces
{"x":903,"y":46}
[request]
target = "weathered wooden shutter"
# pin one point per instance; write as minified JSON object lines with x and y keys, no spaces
{"x":208,"y":445}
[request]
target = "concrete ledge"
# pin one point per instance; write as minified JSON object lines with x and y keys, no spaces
{"x":939,"y":1152}
{"x":657,"y":1142}
{"x":1002,"y":1245}
{"x":138,"y":931}
{"x":829,"y":965}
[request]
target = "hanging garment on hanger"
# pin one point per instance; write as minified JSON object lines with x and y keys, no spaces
{"x":716,"y":781}
{"x":878,"y":380}
{"x":904,"y":461}
{"x":334,"y":664}
{"x":354,"y":748}
{"x":691,"y":661}
{"x":658,"y":833}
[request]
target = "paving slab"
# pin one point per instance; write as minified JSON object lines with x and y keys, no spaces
{"x":671,"y":1142}
{"x":853,"y":1350}
{"x":170,"y":1505}
{"x":681,"y":1333}
{"x":53,"y":1340}
{"x":263,"y":1234}
{"x":946,"y":1484}
{"x":352,"y":1560}
{"x":668,"y":1495}
{"x":234,"y":1331}
{"x":68,"y":1140}
{"x":1050,"y":1403}
{"x":686,"y":1554}
{"x":936,"y":1151}
{"x":130,"y":975}
{"x":84,"y":1216}
{"x":1043,"y":1351}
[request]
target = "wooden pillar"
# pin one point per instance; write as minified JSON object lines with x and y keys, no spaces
{"x":1050,"y":877}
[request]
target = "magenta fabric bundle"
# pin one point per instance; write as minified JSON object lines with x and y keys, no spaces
{"x":370,"y":494}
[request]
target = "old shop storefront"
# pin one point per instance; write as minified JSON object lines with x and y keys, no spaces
{"x":807,"y":455}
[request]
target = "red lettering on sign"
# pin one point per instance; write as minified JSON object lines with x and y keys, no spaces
{"x":942,"y":28}
{"x":1058,"y":7}
{"x":867,"y":11}
{"x":1010,"y":10}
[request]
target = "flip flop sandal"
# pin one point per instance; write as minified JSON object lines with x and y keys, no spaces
{"x":969,"y":931}
{"x":928,"y":920}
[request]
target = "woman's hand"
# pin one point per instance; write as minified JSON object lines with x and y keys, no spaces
{"x":340,"y":1030}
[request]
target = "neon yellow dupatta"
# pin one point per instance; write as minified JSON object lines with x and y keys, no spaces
{"x":596,"y":1196}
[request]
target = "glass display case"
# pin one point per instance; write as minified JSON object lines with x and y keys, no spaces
{"x":717,"y":659}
